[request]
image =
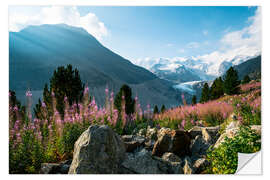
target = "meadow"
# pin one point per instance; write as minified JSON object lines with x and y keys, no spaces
{"x":34,"y":141}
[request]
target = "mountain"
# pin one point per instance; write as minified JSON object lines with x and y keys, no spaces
{"x":185,"y":69}
{"x":177,"y":75}
{"x":36,"y":51}
{"x":251,"y":67}
{"x":179,"y":70}
{"x":224,"y":66}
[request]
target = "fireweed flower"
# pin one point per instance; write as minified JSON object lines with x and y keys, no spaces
{"x":28,"y":93}
{"x":183,"y":123}
{"x":192,"y":122}
{"x":15,"y":108}
{"x":43,"y":105}
{"x":86,"y":90}
{"x":224,"y":115}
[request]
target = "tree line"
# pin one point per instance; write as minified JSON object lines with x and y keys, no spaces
{"x":228,"y":85}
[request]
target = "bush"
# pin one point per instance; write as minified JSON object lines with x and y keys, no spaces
{"x":224,"y":158}
{"x":25,"y":156}
{"x":71,"y":132}
{"x":247,"y":114}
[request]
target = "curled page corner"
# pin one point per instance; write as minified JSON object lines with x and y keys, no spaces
{"x":249,"y":163}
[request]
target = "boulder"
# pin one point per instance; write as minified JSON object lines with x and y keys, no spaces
{"x":142,"y":132}
{"x":233,"y":125}
{"x":212,"y":131}
{"x":64,"y":166}
{"x":163,"y":131}
{"x":257,"y":128}
{"x":133,"y":142}
{"x":175,"y":141}
{"x":230,"y":131}
{"x":149,"y":145}
{"x":163,"y":144}
{"x":181,"y":141}
{"x":187,"y":169}
{"x":55,"y":168}
{"x":171,"y":157}
{"x":195,"y":131}
{"x":199,"y":146}
{"x":206,"y":136}
{"x":143,"y":163}
{"x":151,"y":133}
{"x":98,"y":150}
{"x":200,"y":165}
{"x":50,"y":168}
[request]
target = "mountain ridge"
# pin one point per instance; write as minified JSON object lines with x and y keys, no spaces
{"x":36,"y":51}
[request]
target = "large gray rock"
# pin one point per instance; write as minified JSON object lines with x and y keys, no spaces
{"x":143,"y":163}
{"x":206,"y":136}
{"x":200,"y":165}
{"x":175,"y":141}
{"x":151,"y":133}
{"x":199,"y":146}
{"x":55,"y":168}
{"x":230,"y":132}
{"x":163,"y":131}
{"x":142,"y":132}
{"x":171,"y":157}
{"x":257,"y":128}
{"x":97,"y":151}
{"x":133,"y":142}
{"x":188,"y":169}
{"x":212,"y":131}
{"x":50,"y":168}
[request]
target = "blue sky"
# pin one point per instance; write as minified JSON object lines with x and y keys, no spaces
{"x":137,"y":32}
{"x":151,"y":32}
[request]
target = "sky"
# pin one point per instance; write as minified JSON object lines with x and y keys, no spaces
{"x":142,"y":33}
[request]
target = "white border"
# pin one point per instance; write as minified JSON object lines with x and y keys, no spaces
{"x":4,"y":73}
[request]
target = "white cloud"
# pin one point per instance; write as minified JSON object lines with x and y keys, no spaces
{"x":56,"y":15}
{"x":169,"y":45}
{"x":193,"y":45}
{"x":248,"y":37}
{"x":205,"y":32}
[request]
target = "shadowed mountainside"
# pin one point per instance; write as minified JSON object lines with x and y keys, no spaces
{"x":36,"y":51}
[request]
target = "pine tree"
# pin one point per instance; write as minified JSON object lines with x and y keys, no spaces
{"x":156,"y":111}
{"x":64,"y":82}
{"x":246,"y":79}
{"x":217,"y":89}
{"x":205,"y":93}
{"x":231,"y":82}
{"x":194,"y":100}
{"x":163,"y":108}
{"x":126,"y":92}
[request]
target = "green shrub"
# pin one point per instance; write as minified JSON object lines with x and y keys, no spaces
{"x":70,"y":134}
{"x":27,"y":156}
{"x":247,"y":114}
{"x":224,"y":158}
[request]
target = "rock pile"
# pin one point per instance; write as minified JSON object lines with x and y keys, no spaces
{"x":99,"y":150}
